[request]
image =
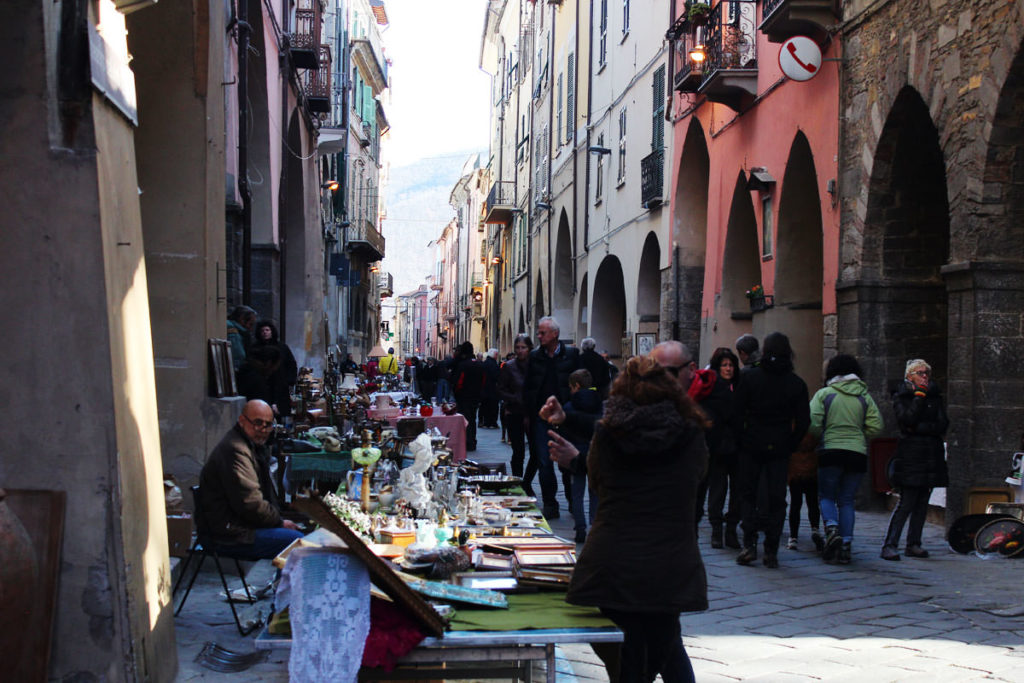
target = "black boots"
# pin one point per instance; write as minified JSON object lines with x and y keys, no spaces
{"x":731,"y":539}
{"x":716,"y":536}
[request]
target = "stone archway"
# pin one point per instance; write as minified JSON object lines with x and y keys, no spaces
{"x":741,"y":270}
{"x":562,"y":282}
{"x":648,"y":287}
{"x":582,"y":312}
{"x":608,"y":309}
{"x":539,"y":310}
{"x":689,"y":237}
{"x":899,"y":303}
{"x":799,"y":265}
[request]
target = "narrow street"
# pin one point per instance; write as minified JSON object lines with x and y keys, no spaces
{"x":947,"y":618}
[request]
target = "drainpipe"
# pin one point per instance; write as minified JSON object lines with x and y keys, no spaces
{"x":243,"y":149}
{"x":575,"y":165}
{"x":590,"y":101}
{"x":670,"y":79}
{"x":551,"y":126}
{"x":285,"y":64}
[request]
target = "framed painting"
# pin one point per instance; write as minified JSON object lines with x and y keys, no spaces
{"x":645,"y":342}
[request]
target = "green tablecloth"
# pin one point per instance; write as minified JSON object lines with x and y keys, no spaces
{"x":529,"y":611}
{"x":322,"y":466}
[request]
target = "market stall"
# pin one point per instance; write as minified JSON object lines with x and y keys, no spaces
{"x":465,"y":555}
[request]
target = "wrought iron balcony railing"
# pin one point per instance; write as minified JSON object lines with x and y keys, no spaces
{"x":501,"y":202}
{"x":717,"y":52}
{"x":305,"y":39}
{"x":783,"y":19}
{"x":652,"y":179}
{"x":316,"y":83}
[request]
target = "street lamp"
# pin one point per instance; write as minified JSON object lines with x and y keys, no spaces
{"x":331,"y":185}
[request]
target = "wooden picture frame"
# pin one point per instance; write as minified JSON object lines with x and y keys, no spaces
{"x":382,"y":575}
{"x":645,"y":342}
{"x":545,"y":556}
{"x":221,"y":369}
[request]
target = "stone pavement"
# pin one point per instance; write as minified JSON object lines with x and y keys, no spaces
{"x":947,"y":618}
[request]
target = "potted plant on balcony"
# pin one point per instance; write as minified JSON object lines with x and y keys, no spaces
{"x":698,"y":13}
{"x":758,"y":300}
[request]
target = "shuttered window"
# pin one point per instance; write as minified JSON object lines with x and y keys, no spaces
{"x":658,"y":114}
{"x":570,"y":100}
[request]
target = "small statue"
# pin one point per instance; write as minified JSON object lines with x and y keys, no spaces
{"x":412,"y":484}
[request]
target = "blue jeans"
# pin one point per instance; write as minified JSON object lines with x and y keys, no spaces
{"x":545,"y":468}
{"x":576,"y":507}
{"x":266,"y":544}
{"x":837,"y":488}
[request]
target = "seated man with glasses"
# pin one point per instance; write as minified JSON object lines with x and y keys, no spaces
{"x":240,"y":510}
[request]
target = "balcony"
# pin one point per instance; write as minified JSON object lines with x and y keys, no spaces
{"x":783,"y":19}
{"x":305,"y":40}
{"x":501,"y":202}
{"x":316,"y":84}
{"x":368,"y":56}
{"x":366,"y":241}
{"x":718,"y":53}
{"x":652,"y":179}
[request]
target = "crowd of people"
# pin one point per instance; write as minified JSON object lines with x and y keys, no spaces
{"x":641,"y":452}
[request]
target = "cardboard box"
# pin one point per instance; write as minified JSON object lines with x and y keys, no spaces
{"x":179,"y":534}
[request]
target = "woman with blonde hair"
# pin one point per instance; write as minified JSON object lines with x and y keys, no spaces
{"x":640,"y":563}
{"x":920,"y":461}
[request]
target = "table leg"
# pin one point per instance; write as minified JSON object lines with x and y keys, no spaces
{"x":550,"y":662}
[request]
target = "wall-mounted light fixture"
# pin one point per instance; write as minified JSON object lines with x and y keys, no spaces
{"x":760,"y":180}
{"x":597,"y":149}
{"x":697,"y":55}
{"x":496,"y":261}
{"x":543,"y":206}
{"x":331,"y":185}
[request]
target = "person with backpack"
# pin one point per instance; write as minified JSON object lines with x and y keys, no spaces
{"x":844,"y":417}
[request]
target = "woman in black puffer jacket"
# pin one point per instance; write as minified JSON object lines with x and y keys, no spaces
{"x":920,"y":461}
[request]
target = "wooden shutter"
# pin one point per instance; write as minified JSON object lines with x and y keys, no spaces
{"x":570,"y":100}
{"x":658,"y":115}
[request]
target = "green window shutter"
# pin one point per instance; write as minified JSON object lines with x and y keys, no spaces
{"x":658,"y":115}
{"x":570,"y":100}
{"x":369,"y":106}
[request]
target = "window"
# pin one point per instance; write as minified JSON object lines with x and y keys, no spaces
{"x":558,"y":111}
{"x":599,"y":180}
{"x":658,"y":112}
{"x":767,"y":225}
{"x":621,"y":171}
{"x":570,"y":100}
{"x":602,"y":54}
{"x":625,"y":17}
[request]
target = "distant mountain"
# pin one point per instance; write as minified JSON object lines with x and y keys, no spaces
{"x":417,"y":209}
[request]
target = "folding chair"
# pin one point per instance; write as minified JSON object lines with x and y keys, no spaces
{"x":204,"y":551}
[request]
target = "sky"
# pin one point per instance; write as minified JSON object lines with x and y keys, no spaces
{"x":438,"y":110}
{"x":439,"y":95}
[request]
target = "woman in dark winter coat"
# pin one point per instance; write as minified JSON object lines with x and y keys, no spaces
{"x":510,"y":391}
{"x":641,"y":564}
{"x":920,"y":460}
{"x":723,"y":468}
{"x":286,"y":374}
{"x":772,"y":414}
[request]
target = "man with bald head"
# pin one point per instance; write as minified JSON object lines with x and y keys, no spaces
{"x":240,"y":510}
{"x":676,"y":358}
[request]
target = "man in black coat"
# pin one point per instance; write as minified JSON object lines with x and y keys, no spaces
{"x":551,"y":363}
{"x":467,"y":385}
{"x":489,"y":398}
{"x":598,"y":366}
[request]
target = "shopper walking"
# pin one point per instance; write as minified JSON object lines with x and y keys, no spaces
{"x":771,"y":409}
{"x":640,"y":563}
{"x":510,"y":391}
{"x":723,"y":466}
{"x":551,"y":363}
{"x":920,"y":462}
{"x":844,"y":417}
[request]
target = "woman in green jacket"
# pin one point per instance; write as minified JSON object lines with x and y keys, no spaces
{"x":843,"y":417}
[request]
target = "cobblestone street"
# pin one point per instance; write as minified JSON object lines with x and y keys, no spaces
{"x":947,"y":618}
